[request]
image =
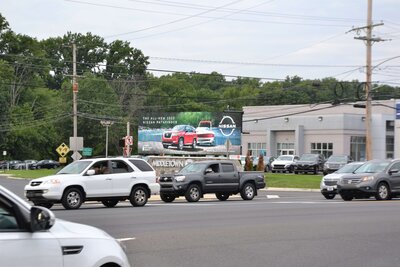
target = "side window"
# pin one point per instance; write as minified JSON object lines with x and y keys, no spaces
{"x":141,"y":165}
{"x":395,"y":166}
{"x":119,"y":166}
{"x":227,"y":167}
{"x":214,"y":168}
{"x":100,"y":167}
{"x":8,"y":221}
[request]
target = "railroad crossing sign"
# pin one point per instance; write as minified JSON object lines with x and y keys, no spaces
{"x":63,"y":150}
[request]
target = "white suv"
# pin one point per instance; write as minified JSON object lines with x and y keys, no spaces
{"x":108,"y":180}
{"x":31,"y":236}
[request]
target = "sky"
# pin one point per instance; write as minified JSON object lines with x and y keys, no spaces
{"x":268,"y":39}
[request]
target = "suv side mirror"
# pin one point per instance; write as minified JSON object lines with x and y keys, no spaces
{"x":208,"y":170}
{"x":393,"y":171}
{"x":41,"y":219}
{"x":91,"y":172}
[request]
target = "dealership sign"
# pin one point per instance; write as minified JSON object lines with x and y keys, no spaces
{"x":189,"y":133}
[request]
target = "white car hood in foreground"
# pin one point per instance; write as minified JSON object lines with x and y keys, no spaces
{"x":57,"y":176}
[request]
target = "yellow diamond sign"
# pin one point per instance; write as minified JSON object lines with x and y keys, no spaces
{"x":63,"y":150}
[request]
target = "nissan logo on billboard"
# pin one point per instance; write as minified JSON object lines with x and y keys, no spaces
{"x":227,"y":126}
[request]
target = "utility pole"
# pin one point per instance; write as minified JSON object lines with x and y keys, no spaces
{"x":106,"y":124}
{"x":74,"y":98}
{"x":369,"y":40}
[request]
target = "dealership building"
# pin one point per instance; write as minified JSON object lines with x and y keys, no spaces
{"x":321,"y":128}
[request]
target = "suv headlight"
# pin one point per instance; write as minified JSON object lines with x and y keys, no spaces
{"x":180,"y":178}
{"x":366,"y":179}
{"x":52,"y":181}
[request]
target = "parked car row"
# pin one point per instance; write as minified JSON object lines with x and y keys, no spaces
{"x":307,"y":163}
{"x":29,"y":164}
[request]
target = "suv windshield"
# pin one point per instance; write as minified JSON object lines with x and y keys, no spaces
{"x":288,"y":158}
{"x":373,"y":167}
{"x":75,"y":167}
{"x":193,"y":168}
{"x":308,"y":157}
{"x":337,"y":159}
{"x":349,"y":168}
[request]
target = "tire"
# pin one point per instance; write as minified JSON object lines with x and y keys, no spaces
{"x":382,"y":192}
{"x":315,"y":170}
{"x":329,"y":196}
{"x":290,"y":169}
{"x":248,"y":191}
{"x":138,"y":196}
{"x":193,"y":193}
{"x":168,"y":198}
{"x":46,"y":205}
{"x":180,"y":143}
{"x":222,"y":196}
{"x":273,"y":171}
{"x":110,"y":203}
{"x":296,"y":172}
{"x":194,"y":144}
{"x":346,"y":197}
{"x":72,"y":198}
{"x":165,"y":146}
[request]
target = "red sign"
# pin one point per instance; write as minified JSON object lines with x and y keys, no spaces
{"x":75,"y":87}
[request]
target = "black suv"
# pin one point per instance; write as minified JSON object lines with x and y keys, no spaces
{"x":378,"y":178}
{"x":309,"y":163}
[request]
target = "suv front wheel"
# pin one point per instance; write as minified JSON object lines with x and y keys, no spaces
{"x":383,"y":192}
{"x":72,"y":198}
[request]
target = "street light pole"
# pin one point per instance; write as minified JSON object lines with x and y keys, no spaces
{"x":107,"y":124}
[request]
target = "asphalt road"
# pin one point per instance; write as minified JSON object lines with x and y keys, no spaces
{"x":274,"y":229}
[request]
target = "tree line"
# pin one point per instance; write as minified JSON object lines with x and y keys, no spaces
{"x":115,"y":84}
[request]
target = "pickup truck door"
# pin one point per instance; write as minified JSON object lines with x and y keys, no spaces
{"x":223,"y":178}
{"x":229,"y":177}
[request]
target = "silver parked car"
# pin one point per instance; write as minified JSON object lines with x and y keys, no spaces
{"x":329,"y":182}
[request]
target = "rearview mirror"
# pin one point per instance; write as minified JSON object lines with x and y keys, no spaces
{"x":41,"y":219}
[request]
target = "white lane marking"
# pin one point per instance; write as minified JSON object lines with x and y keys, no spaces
{"x":126,"y":239}
{"x":272,"y":196}
{"x":202,"y":204}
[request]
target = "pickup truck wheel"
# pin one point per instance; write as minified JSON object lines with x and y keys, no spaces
{"x":180,"y":143}
{"x":46,"y":205}
{"x":346,"y":197}
{"x":109,"y":203}
{"x":248,"y":191}
{"x":138,"y":196}
{"x":193,"y":193}
{"x":222,"y":196}
{"x":329,"y":196}
{"x":383,"y":192}
{"x":72,"y":199}
{"x":167,"y":197}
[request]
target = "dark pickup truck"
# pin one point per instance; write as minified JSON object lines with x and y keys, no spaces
{"x":214,"y":176}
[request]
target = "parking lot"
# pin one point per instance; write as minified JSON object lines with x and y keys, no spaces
{"x":277,"y":228}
